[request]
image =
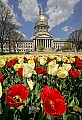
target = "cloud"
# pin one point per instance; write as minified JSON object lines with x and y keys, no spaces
{"x":29,"y":9}
{"x":5,"y":1}
{"x":21,"y":33}
{"x":66,"y":28}
{"x":57,"y":39}
{"x":59,"y":11}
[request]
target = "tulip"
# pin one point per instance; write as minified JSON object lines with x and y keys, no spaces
{"x":62,"y":73}
{"x":53,"y":101}
{"x":52,"y":68}
{"x":16,"y":66}
{"x":2,"y":63}
{"x":27,"y":71}
{"x":0,"y":90}
{"x":30,"y":83}
{"x":16,"y":95}
{"x":67,"y":67}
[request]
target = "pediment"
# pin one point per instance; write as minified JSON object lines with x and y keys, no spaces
{"x":43,"y":35}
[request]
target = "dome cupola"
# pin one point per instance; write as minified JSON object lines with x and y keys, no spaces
{"x":41,"y":17}
{"x":41,"y":23}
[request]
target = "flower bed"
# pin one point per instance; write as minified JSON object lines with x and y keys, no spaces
{"x":41,"y":87}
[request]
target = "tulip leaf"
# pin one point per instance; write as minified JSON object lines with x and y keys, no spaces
{"x":74,"y":102}
{"x":70,"y":117}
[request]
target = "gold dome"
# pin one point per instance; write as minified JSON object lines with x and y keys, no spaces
{"x":41,"y":23}
{"x":41,"y":17}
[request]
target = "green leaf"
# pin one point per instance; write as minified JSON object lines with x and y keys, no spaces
{"x":71,"y":117}
{"x":74,"y":102}
{"x":64,"y":116}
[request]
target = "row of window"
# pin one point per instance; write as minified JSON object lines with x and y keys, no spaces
{"x":19,"y":50}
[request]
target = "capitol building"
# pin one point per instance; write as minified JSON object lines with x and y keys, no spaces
{"x":41,"y":37}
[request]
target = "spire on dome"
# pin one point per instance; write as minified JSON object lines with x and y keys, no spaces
{"x":40,"y":8}
{"x":41,"y":11}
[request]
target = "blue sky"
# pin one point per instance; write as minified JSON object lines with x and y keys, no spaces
{"x":63,"y":15}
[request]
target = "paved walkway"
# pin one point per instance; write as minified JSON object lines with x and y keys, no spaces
{"x":54,"y":52}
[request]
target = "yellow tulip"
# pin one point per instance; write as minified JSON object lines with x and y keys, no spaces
{"x":0,"y":90}
{"x":2,"y":63}
{"x":27,"y":71}
{"x":62,"y":73}
{"x":1,"y":57}
{"x":52,"y":68}
{"x":71,"y":60}
{"x":64,"y":59}
{"x":54,"y":61}
{"x":42,"y":61}
{"x":80,"y":57}
{"x":51,"y":56}
{"x":58,"y":58}
{"x":21,"y":60}
{"x":31,"y":63}
{"x":67,"y":67}
{"x":16,"y":66}
{"x":30,"y":83}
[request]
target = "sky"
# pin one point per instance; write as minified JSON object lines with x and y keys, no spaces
{"x":63,"y":16}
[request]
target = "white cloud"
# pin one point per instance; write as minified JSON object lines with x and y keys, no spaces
{"x":5,"y":1}
{"x":57,"y":38}
{"x":29,"y":9}
{"x":21,"y":33}
{"x":66,"y":28}
{"x":59,"y":11}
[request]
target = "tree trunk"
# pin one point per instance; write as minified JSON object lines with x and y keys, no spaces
{"x":14,"y":48}
{"x":17,"y":48}
{"x":9,"y":45}
{"x":1,"y":46}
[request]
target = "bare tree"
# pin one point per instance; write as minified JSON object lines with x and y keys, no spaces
{"x":15,"y":37}
{"x":76,"y":38}
{"x":6,"y":24}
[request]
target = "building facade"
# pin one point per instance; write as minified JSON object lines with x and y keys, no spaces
{"x":41,"y":37}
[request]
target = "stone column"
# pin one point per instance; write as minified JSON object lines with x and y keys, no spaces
{"x":44,"y":42}
{"x":36,"y":44}
{"x":50,"y":43}
{"x":47,"y":43}
{"x":39,"y":42}
{"x":16,"y":47}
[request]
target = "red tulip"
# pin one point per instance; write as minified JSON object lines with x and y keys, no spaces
{"x":40,"y":70}
{"x":16,"y":95}
{"x":49,"y":60}
{"x":76,"y":57}
{"x":25,"y":58}
{"x":53,"y":101}
{"x":1,"y":78}
{"x":74,"y":73}
{"x":79,"y":67}
{"x":35,"y":60}
{"x":15,"y":60}
{"x":20,"y":72}
{"x":10,"y":63}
